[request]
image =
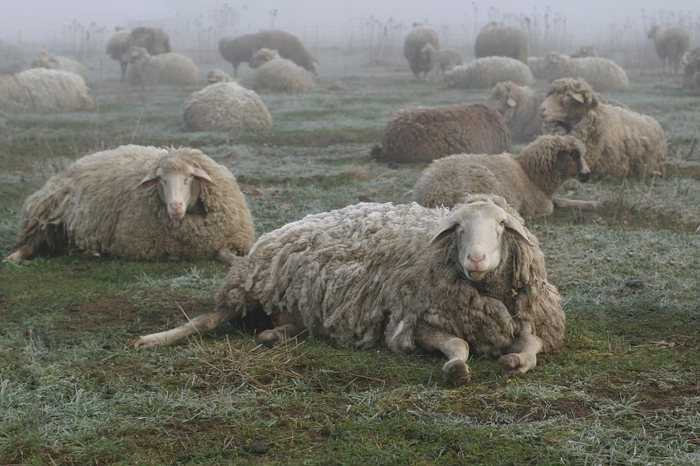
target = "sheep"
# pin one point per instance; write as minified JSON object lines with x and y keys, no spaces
{"x":276,"y":74}
{"x":691,"y":69}
{"x":413,"y":45}
{"x":57,"y":62}
{"x":601,"y":73}
{"x":585,"y":51}
{"x":619,"y":142}
{"x":117,"y":46}
{"x":440,"y":61}
{"x":527,"y":181}
{"x":218,"y":76}
{"x":496,"y":39}
{"x":406,"y":276}
{"x":44,"y":90}
{"x":424,"y":134}
{"x":519,"y":106}
{"x":237,"y":50}
{"x":670,"y":45}
{"x":165,"y":69}
{"x":138,"y":203}
{"x":487,"y":72}
{"x":262,"y":56}
{"x":225,"y":106}
{"x":155,"y":40}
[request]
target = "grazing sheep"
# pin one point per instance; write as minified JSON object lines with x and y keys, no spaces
{"x":276,"y":74}
{"x":585,"y":51}
{"x":225,"y":106}
{"x":413,"y":44}
{"x":670,"y":45}
{"x":165,"y":69}
{"x":619,"y":142}
{"x":519,"y":106}
{"x":487,"y":72}
{"x":496,"y":39}
{"x":527,"y":181}
{"x":441,"y":61}
{"x":237,"y":50}
{"x":601,"y":73}
{"x":410,"y":277}
{"x":57,"y":62}
{"x":218,"y":76}
{"x":155,"y":40}
{"x":44,"y":90}
{"x":691,"y":69}
{"x":141,"y":203}
{"x":117,"y":46}
{"x":425,"y":134}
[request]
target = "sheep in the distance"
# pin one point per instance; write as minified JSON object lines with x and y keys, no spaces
{"x":58,"y":62}
{"x":691,"y":69}
{"x":117,"y":46}
{"x":276,"y":74}
{"x":601,"y":73}
{"x":424,"y":134}
{"x":441,"y":61}
{"x":585,"y":51}
{"x":619,"y":142}
{"x":670,"y":44}
{"x":412,"y":278}
{"x":519,"y":106}
{"x":155,"y":40}
{"x":139,"y":203}
{"x":496,"y":39}
{"x":413,"y":45}
{"x":528,"y":181}
{"x":44,"y":90}
{"x":169,"y":68}
{"x":487,"y":72}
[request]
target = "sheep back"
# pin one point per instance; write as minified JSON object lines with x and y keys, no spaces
{"x":282,"y":75}
{"x":425,"y":134}
{"x":237,"y":50}
{"x":413,"y":45}
{"x":601,"y":73}
{"x":225,"y":106}
{"x":44,"y":90}
{"x":496,"y":39}
{"x":487,"y":72}
{"x":57,"y":62}
{"x":154,"y":40}
{"x":170,"y":68}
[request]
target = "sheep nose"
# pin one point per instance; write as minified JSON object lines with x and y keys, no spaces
{"x":175,"y":206}
{"x":476,"y":259}
{"x":584,"y":175}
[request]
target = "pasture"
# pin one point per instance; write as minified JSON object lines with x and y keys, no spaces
{"x":624,"y":389}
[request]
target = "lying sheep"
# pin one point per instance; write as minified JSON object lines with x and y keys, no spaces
{"x":117,"y":46}
{"x":57,"y":62}
{"x":440,"y":61}
{"x":165,"y":69}
{"x":425,"y":134}
{"x":487,"y":72}
{"x":496,"y":39}
{"x":413,"y":45}
{"x":44,"y":90}
{"x":141,"y":203}
{"x":519,"y":106}
{"x":601,"y":73}
{"x":237,"y":50}
{"x":670,"y":45}
{"x":225,"y":106}
{"x":619,"y":142}
{"x":276,"y":74}
{"x":410,"y":277}
{"x":527,"y":181}
{"x":585,"y":51}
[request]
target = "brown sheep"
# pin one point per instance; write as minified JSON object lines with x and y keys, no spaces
{"x":496,"y":39}
{"x":413,"y":45}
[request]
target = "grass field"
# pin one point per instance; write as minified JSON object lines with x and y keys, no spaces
{"x":624,"y":390}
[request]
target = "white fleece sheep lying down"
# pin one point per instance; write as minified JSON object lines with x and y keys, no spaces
{"x":141,"y":203}
{"x":404,"y":275}
{"x":44,"y":90}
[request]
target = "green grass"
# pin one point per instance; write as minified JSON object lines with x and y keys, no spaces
{"x":623,"y":390}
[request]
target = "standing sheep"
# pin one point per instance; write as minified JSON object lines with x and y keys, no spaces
{"x":619,"y":142}
{"x":691,"y":69}
{"x":137,"y":202}
{"x":276,"y":74}
{"x":496,"y":39}
{"x":410,"y":277}
{"x":670,"y":45}
{"x":237,"y":50}
{"x":44,"y":90}
{"x":225,"y":106}
{"x":413,"y":45}
{"x":425,"y":134}
{"x":57,"y":62}
{"x":165,"y":69}
{"x":117,"y":46}
{"x":527,"y":181}
{"x":601,"y":73}
{"x":487,"y":72}
{"x":155,"y":40}
{"x":441,"y":61}
{"x":519,"y":106}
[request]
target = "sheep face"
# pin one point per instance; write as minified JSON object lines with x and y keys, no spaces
{"x":568,"y":101}
{"x":263,"y":56}
{"x":478,"y":229}
{"x":178,"y":185}
{"x":505,"y":98}
{"x":134,"y":54}
{"x":571,"y":163}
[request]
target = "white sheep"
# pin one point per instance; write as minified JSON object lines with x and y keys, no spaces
{"x":44,"y":90}
{"x":670,"y":45}
{"x":527,"y":181}
{"x":410,"y":277}
{"x":218,"y":76}
{"x":441,"y":61}
{"x":619,"y":142}
{"x":117,"y":46}
{"x":225,"y":106}
{"x":487,"y":72}
{"x":164,"y":69}
{"x":601,"y":73}
{"x":141,"y":203}
{"x":58,"y":62}
{"x":276,"y":74}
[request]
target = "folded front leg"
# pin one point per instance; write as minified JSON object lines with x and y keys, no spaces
{"x":454,"y":348}
{"x":522,"y":355}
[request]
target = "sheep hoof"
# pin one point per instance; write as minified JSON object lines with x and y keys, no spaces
{"x":456,"y":372}
{"x":272,"y":338}
{"x":148,"y":341}
{"x":15,"y":257}
{"x":515,"y":363}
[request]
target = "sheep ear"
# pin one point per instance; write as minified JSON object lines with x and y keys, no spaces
{"x":202,"y":176}
{"x":446,"y":228}
{"x":577,"y":96}
{"x":148,"y":181}
{"x":516,"y":227}
{"x":510,"y":102}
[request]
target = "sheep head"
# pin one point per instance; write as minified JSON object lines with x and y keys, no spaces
{"x":570,"y":158}
{"x":568,"y":100}
{"x":478,"y":228}
{"x":134,"y":54}
{"x":218,"y":76}
{"x":507,"y":96}
{"x":263,"y":56}
{"x":178,"y":183}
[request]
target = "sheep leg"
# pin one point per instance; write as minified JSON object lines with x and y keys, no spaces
{"x":563,"y":203}
{"x":226,"y":256}
{"x":279,"y":335}
{"x":522,"y":356}
{"x":454,"y":348}
{"x":200,"y":324}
